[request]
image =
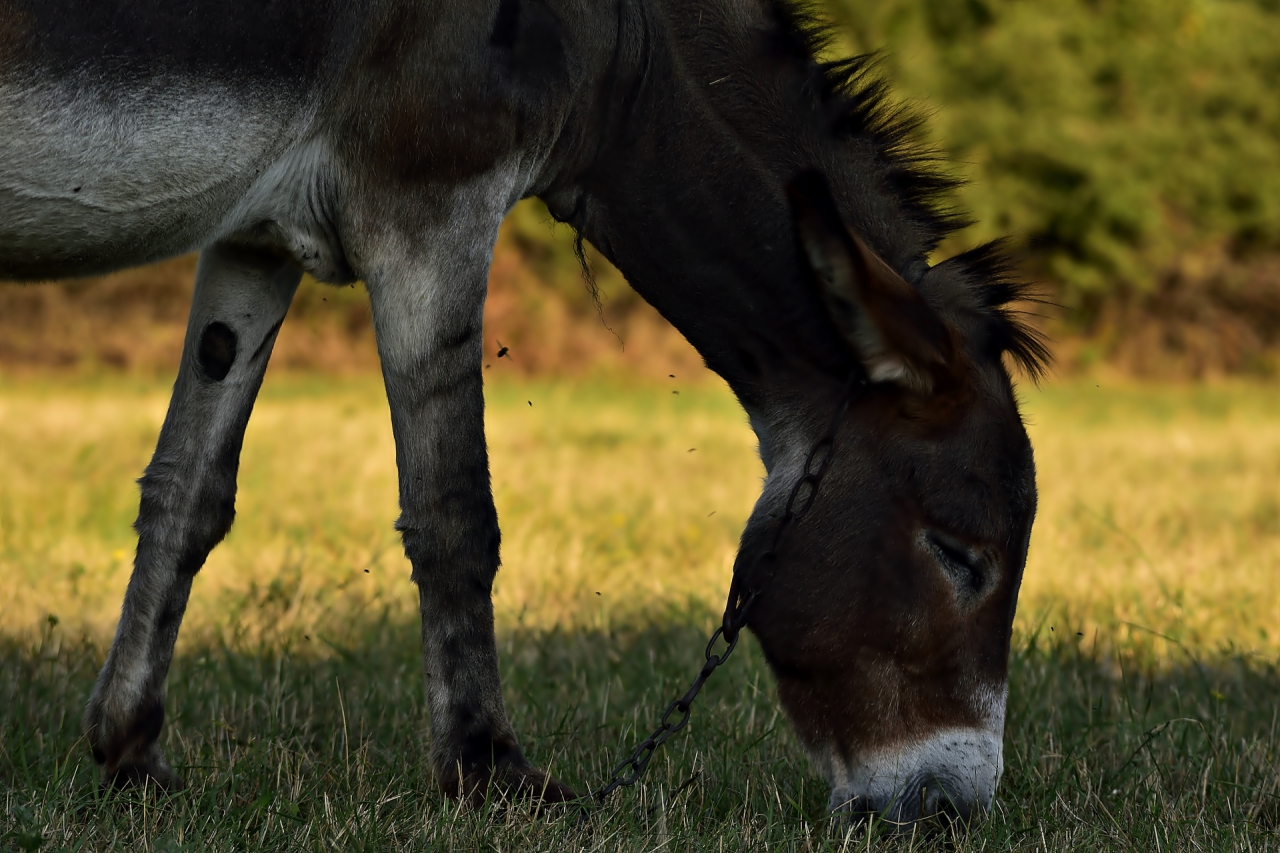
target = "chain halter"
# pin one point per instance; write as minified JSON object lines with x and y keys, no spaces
{"x":631,"y":769}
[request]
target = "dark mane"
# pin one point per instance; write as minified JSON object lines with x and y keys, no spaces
{"x":857,"y":101}
{"x":859,"y":106}
{"x":997,"y":287}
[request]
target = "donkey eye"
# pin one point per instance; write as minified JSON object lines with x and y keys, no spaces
{"x":968,"y":569}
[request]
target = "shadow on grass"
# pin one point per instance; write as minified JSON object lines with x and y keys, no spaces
{"x":319,"y":742}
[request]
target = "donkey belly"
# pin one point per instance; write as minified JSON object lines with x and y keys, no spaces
{"x":95,"y":179}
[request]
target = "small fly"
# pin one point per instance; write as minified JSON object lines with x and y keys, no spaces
{"x":503,"y":350}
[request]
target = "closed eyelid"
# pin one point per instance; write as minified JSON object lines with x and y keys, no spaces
{"x":973,"y":570}
{"x":951,"y":543}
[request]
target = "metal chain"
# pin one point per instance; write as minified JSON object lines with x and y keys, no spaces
{"x":631,"y":769}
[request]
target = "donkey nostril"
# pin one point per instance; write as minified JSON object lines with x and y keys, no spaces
{"x":929,"y":800}
{"x":950,"y":810}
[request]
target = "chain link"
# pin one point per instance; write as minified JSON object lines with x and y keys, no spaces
{"x":631,"y":769}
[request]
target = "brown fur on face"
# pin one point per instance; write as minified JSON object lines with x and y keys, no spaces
{"x":875,"y":643}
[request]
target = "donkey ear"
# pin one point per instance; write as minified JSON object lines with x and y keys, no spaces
{"x":895,"y":333}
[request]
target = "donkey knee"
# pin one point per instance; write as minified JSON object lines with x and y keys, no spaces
{"x":186,"y":525}
{"x":462,"y":566}
{"x":440,"y":550}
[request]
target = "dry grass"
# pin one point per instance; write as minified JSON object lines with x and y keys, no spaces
{"x":595,"y":490}
{"x":1159,"y":506}
{"x":1144,"y":685}
{"x":1159,"y":513}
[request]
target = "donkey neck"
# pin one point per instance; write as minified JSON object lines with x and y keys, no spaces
{"x":703,"y":123}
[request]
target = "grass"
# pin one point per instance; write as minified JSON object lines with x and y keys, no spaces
{"x":1143,"y":706}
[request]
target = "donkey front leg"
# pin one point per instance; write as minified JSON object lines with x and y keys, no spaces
{"x":188,"y":500}
{"x":428,"y":315}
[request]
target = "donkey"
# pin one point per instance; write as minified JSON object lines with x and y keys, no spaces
{"x":383,"y":141}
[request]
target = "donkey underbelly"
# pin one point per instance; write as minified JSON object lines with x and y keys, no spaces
{"x":94,"y":180}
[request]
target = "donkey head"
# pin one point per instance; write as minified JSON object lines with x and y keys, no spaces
{"x":886,"y":609}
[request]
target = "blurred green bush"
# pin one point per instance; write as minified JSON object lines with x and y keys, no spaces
{"x":1111,"y":138}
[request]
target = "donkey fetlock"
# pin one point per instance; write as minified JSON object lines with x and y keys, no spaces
{"x":126,"y":746}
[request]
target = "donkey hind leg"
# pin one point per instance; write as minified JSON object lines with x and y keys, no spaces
{"x":428,"y":316}
{"x":188,"y":500}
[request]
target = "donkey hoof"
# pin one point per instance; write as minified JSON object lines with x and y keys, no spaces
{"x":137,"y":768}
{"x":126,"y":747}
{"x":530,"y":782}
{"x":159,"y":776}
{"x":509,"y":784}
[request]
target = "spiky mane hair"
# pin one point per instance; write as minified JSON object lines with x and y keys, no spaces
{"x":856,"y":97}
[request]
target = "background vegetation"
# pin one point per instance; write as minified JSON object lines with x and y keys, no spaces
{"x":1132,"y":147}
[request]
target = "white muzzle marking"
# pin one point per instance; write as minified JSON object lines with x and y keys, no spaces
{"x":953,"y":770}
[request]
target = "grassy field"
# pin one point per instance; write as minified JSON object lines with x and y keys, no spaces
{"x":1143,"y":707}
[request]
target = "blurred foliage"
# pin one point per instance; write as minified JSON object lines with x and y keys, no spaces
{"x":1110,"y":137}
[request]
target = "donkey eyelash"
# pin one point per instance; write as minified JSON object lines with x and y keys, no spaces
{"x":963,"y":563}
